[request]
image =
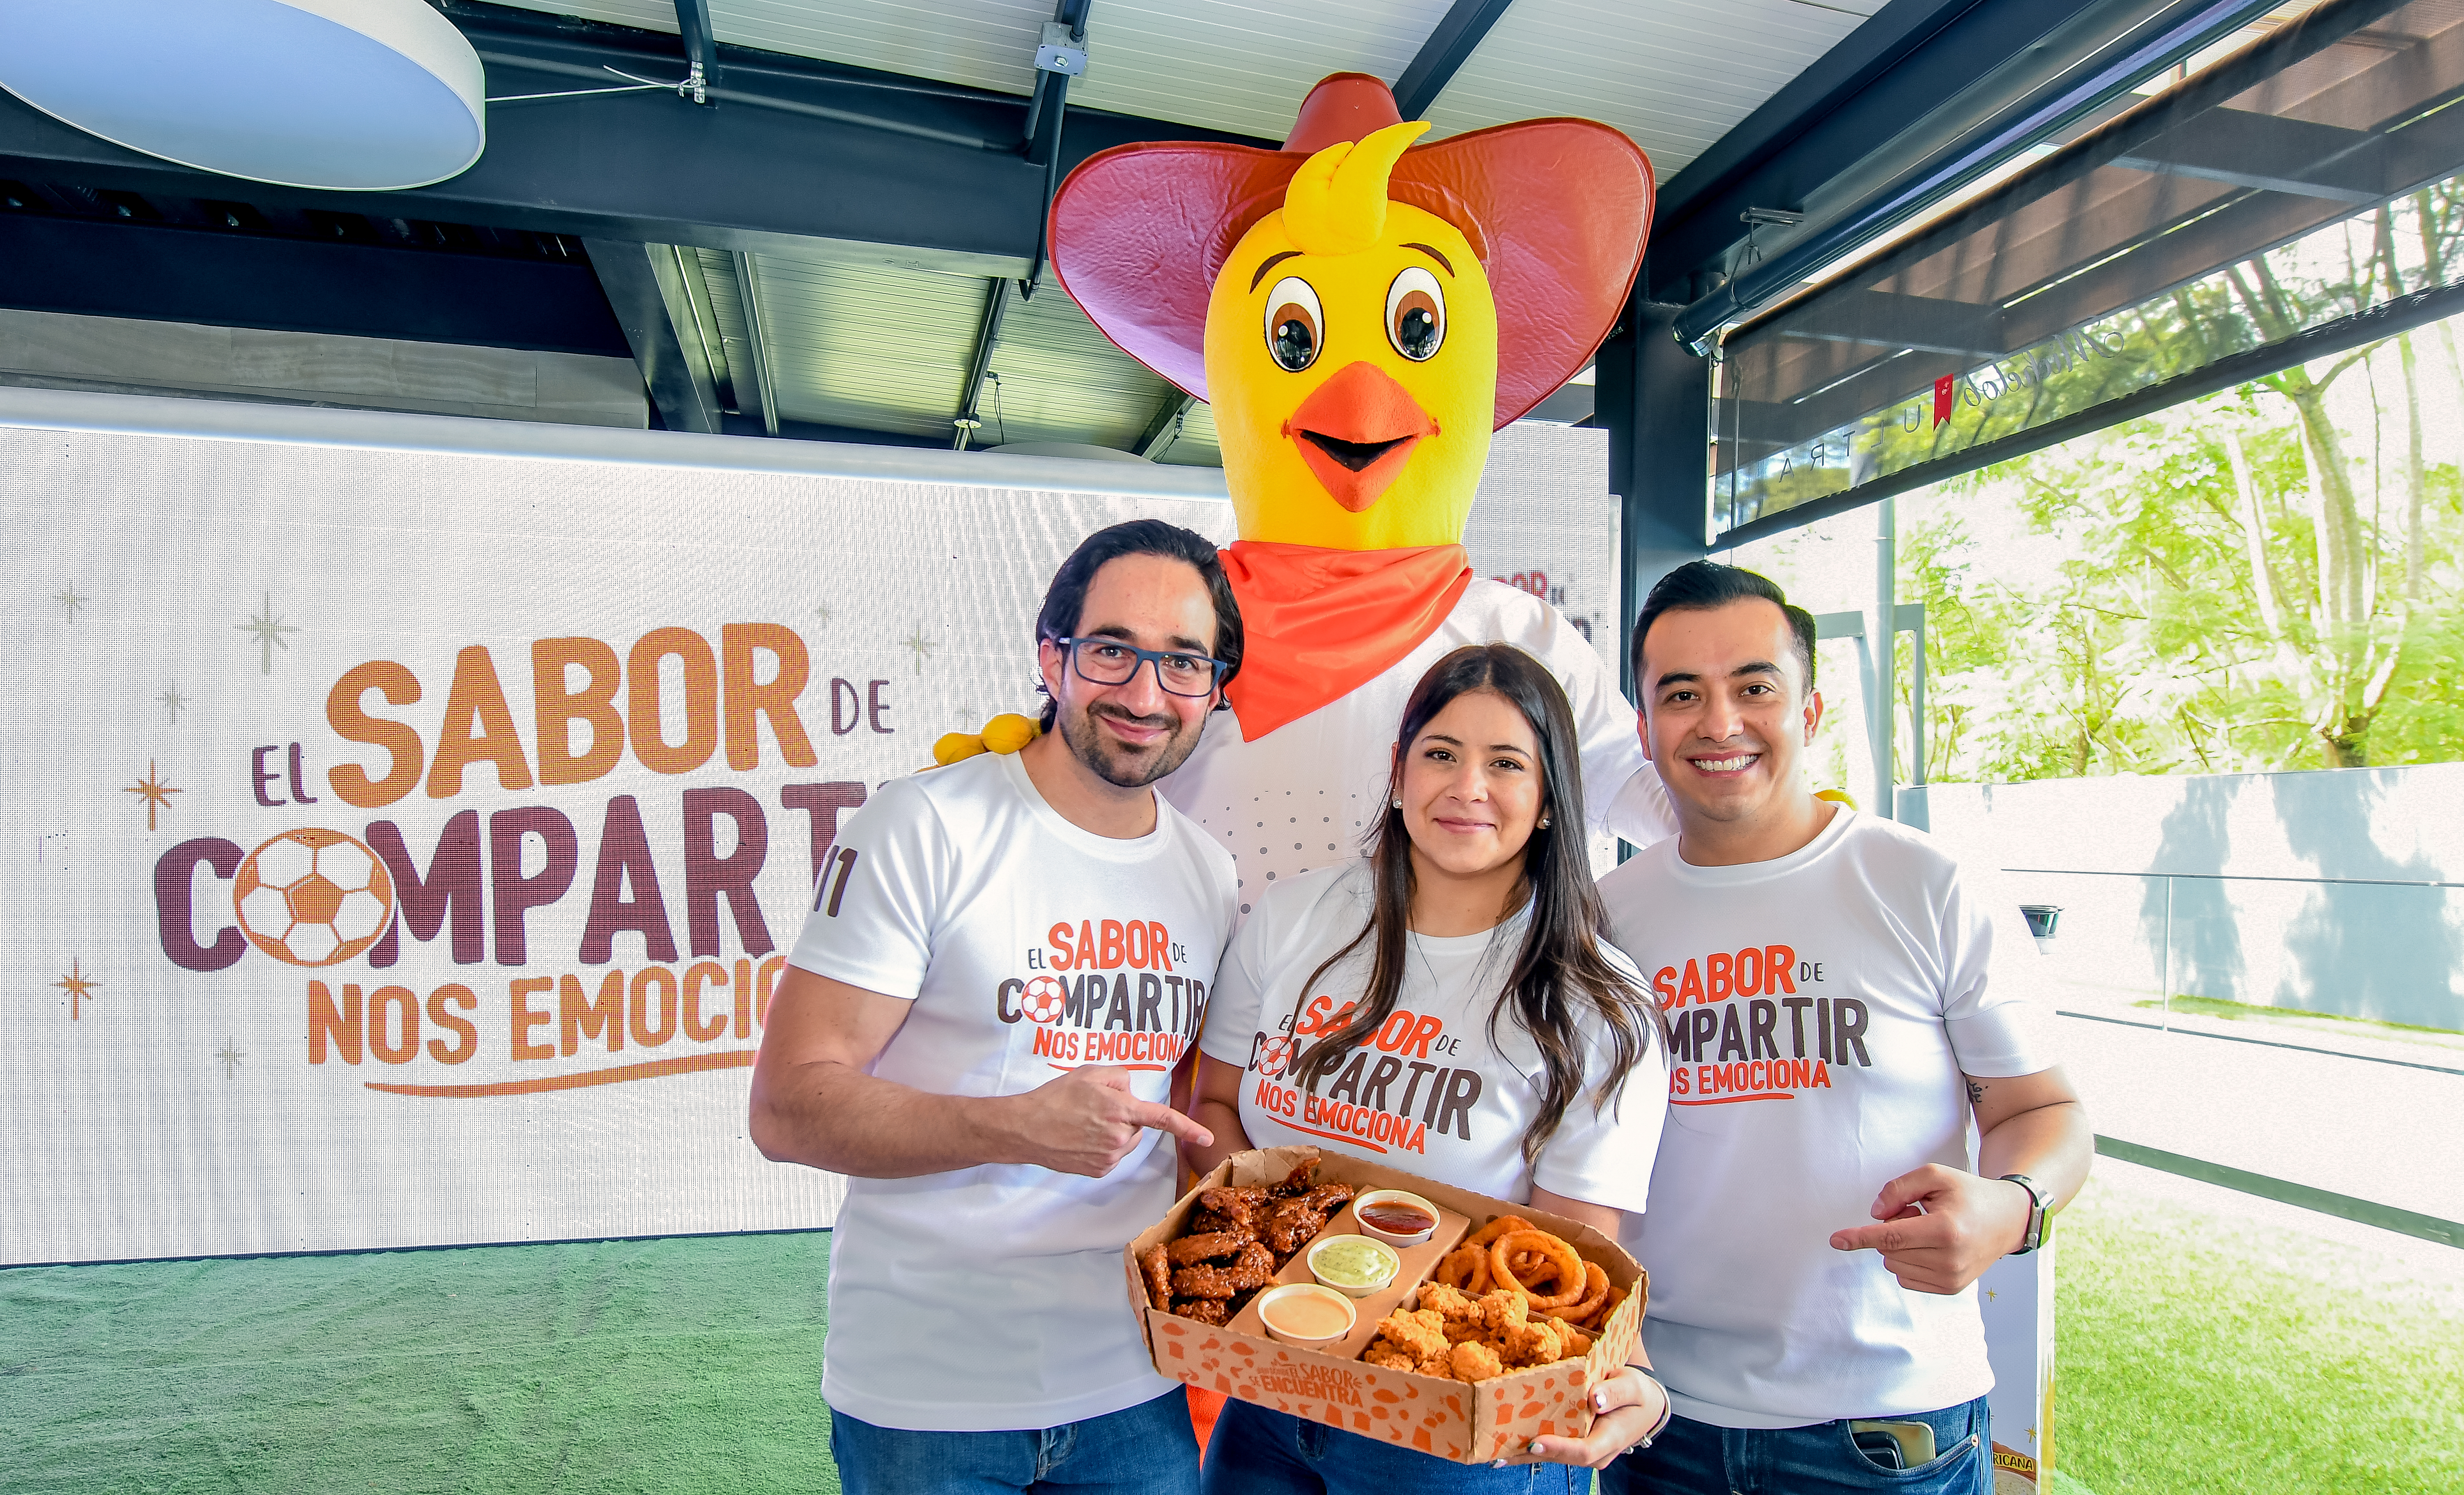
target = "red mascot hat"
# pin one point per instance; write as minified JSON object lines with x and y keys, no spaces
{"x":1557,"y":211}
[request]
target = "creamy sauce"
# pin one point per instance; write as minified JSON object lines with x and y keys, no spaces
{"x":1355,"y":1261}
{"x":1306,"y":1315}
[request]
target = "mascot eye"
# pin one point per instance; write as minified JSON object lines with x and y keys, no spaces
{"x":1295,"y":327}
{"x":1416,"y":315}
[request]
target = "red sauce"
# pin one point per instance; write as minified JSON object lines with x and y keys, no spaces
{"x":1396,"y":1218}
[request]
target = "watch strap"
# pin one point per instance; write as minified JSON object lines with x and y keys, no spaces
{"x":2040,"y":1208}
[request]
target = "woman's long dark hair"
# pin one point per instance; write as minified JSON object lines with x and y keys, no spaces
{"x":1559,"y":972}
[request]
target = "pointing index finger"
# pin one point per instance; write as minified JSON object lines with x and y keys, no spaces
{"x":1163,"y":1118}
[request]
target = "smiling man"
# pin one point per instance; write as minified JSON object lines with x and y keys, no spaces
{"x":1841,"y":1003}
{"x":1006,"y":961}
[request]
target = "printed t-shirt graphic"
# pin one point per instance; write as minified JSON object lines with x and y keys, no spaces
{"x":992,"y":1297}
{"x":1823,"y":1007}
{"x":1430,"y":1093}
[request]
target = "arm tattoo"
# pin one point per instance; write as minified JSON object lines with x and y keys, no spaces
{"x":1975,"y":1094}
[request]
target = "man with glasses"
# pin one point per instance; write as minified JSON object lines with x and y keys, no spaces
{"x":1006,"y":962}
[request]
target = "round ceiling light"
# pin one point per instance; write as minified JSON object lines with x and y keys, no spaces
{"x":350,"y":94}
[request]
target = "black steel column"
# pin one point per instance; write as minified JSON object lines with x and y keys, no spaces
{"x":1655,"y":398}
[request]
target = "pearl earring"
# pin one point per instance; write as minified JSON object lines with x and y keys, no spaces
{"x":1398,"y":805}
{"x":1544,"y":822}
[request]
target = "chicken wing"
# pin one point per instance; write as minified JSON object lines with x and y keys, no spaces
{"x":1203,"y":1280}
{"x":1158,"y":1274}
{"x":1212,"y":1246}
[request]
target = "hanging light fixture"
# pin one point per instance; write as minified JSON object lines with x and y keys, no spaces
{"x":347,"y":95}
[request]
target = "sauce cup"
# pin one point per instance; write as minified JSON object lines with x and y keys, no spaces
{"x":1306,"y":1315}
{"x":1373,"y":1272}
{"x":1398,"y":1202}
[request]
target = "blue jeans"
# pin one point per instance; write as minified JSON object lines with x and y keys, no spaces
{"x":1257,"y":1452}
{"x":1143,"y":1450}
{"x":1818,"y":1459}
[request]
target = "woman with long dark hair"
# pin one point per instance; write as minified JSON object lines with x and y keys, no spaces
{"x":1448,"y":1005}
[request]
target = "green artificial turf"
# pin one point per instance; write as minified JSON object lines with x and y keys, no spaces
{"x":2199,"y":1356}
{"x":2202,"y":1355}
{"x":675,"y":1366}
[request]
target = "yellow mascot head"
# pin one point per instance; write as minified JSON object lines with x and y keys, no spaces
{"x":1352,"y":358}
{"x":1361,"y":310}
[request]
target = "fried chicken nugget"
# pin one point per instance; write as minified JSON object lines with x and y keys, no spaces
{"x":1158,"y":1268}
{"x":1449,"y":1302}
{"x":1535,"y":1342}
{"x":1205,"y":1310}
{"x":1420,"y":1332}
{"x":1441,"y":1366}
{"x":1504,"y":1309}
{"x":1577,"y":1343}
{"x":1474,"y":1361}
{"x":1388,"y":1357}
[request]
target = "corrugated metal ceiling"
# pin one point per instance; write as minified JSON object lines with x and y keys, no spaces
{"x":888,"y":350}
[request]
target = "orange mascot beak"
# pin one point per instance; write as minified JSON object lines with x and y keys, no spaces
{"x":1357,"y":431}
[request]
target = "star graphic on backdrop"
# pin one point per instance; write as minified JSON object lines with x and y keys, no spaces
{"x":269,"y":630}
{"x":173,"y":699}
{"x":78,"y":985}
{"x":71,"y":599}
{"x":822,"y":611}
{"x":155,"y":793}
{"x":1992,"y":1296}
{"x":922,"y":646}
{"x":230,"y":1056}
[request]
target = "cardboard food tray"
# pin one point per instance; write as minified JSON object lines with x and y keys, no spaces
{"x":1473,"y":1423}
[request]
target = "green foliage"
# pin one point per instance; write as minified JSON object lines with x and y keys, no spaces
{"x":2177,"y":614}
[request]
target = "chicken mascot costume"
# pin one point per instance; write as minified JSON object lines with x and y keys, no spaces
{"x":1362,"y":313}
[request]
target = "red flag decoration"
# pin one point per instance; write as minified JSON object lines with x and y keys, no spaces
{"x":1943,"y":392}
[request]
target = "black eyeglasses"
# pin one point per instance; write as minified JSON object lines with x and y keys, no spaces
{"x":1101,"y":661}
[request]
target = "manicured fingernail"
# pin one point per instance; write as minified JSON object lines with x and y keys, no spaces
{"x":1500,"y":1465}
{"x":1600,"y":1403}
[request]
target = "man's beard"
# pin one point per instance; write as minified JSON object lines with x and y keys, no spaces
{"x":1124,"y":767}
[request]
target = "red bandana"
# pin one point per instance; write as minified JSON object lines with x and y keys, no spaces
{"x":1319,"y":623}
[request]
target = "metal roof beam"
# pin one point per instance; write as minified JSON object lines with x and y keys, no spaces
{"x":988,"y":333}
{"x":1164,"y":429}
{"x":2032,"y":70}
{"x":646,"y":291}
{"x":105,"y":268}
{"x":702,"y":49}
{"x":1442,"y":55}
{"x":757,"y":364}
{"x":823,"y":159}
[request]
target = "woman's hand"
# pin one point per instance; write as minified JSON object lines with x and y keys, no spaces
{"x":1626,"y":1406}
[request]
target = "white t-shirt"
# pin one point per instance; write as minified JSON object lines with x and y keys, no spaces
{"x":1300,"y":796}
{"x":992,"y":1297}
{"x":1825,"y":1005}
{"x":1431,"y":1094}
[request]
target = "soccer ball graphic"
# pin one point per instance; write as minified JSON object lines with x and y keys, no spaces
{"x":1044,"y":999}
{"x":312,"y":897}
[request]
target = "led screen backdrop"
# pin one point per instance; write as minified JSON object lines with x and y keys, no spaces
{"x":404,"y":844}
{"x":404,"y":847}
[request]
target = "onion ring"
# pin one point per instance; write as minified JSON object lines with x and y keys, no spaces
{"x":1586,"y":1311}
{"x":1465,"y":1269}
{"x":1563,"y":1258}
{"x":1496,"y":1228}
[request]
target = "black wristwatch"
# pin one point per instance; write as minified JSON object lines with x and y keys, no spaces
{"x":2040,"y":1210}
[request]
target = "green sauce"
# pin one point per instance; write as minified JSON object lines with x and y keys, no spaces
{"x":1355,"y":1261}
